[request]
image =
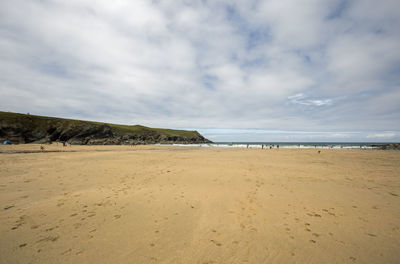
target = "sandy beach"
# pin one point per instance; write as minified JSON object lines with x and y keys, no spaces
{"x":165,"y":204}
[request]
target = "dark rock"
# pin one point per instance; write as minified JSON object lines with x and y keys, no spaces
{"x":391,"y":146}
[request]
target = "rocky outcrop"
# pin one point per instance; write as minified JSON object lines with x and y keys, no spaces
{"x":392,"y":146}
{"x":19,"y":128}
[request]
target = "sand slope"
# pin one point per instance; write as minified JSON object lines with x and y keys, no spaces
{"x":156,"y":204}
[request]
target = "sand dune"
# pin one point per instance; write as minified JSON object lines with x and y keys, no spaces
{"x":159,"y":204}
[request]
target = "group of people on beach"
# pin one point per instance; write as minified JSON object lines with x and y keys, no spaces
{"x":270,"y":146}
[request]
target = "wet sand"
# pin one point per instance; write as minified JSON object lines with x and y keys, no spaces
{"x":160,"y":204}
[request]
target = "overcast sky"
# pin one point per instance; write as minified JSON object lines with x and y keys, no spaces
{"x":242,"y":70}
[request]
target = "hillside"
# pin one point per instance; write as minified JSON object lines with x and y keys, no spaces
{"x":25,"y":128}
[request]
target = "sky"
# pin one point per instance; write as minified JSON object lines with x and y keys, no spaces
{"x":244,"y":70}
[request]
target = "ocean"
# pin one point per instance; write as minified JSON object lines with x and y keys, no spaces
{"x":303,"y":145}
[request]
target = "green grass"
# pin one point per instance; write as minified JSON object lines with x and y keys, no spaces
{"x":44,"y":122}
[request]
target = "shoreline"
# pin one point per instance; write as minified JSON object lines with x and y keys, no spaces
{"x":240,"y":145}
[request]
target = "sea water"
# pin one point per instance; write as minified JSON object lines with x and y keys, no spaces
{"x":291,"y":145}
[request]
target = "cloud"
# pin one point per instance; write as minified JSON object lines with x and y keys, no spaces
{"x":302,"y":65}
{"x":302,"y":99}
{"x":387,"y":135}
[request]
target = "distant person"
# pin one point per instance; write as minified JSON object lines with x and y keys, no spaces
{"x":247,"y":145}
{"x":262,"y":146}
{"x":277,"y":146}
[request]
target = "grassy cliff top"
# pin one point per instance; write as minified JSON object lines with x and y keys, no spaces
{"x":43,"y":122}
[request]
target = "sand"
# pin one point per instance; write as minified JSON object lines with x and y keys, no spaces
{"x":163,"y":204}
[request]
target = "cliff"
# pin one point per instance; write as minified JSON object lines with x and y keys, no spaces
{"x":25,"y":128}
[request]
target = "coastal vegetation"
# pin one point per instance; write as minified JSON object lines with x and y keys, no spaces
{"x":27,"y":128}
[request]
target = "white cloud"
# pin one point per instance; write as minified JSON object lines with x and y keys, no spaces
{"x":292,"y":65}
{"x":383,"y":135}
{"x":302,"y":99}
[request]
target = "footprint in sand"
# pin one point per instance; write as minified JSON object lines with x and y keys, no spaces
{"x":51,"y":228}
{"x":352,"y":259}
{"x":216,"y":243}
{"x":8,"y":207}
{"x":25,"y":220}
{"x":315,"y":215}
{"x":117,"y":216}
{"x":48,"y":239}
{"x":66,"y":251}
